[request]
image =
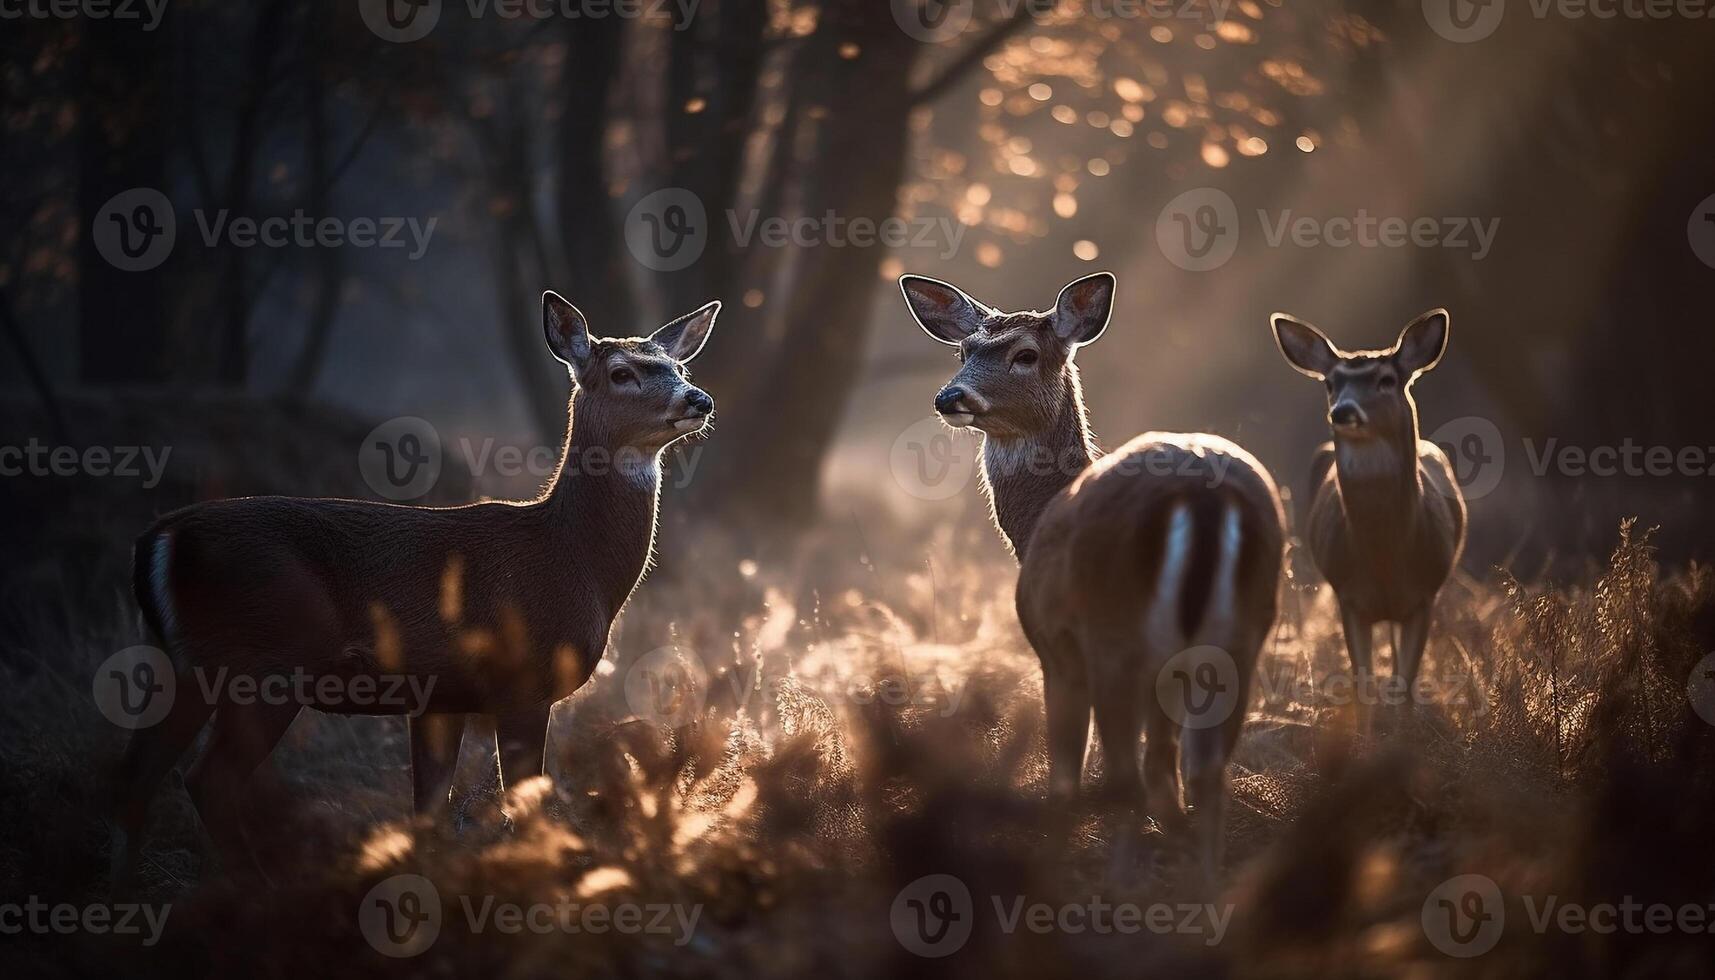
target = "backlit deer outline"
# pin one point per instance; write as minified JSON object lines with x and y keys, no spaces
{"x":506,"y":605}
{"x":1386,"y":522}
{"x":1170,"y":545}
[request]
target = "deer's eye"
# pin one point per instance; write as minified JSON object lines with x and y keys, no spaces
{"x":1025,"y":357}
{"x":622,"y":376}
{"x":1387,"y":382}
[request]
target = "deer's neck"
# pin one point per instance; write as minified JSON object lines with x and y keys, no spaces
{"x":601,"y":509}
{"x":1021,"y":475}
{"x":1380,"y":487}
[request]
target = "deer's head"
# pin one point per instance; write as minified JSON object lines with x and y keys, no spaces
{"x":633,"y":390}
{"x":1369,"y":392}
{"x":1015,"y":368}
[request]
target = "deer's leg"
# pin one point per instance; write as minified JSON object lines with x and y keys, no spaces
{"x":1408,"y":654}
{"x":523,"y":737}
{"x":242,"y":738}
{"x":1120,"y":725}
{"x":1206,"y":751}
{"x":1161,"y":772}
{"x":1068,"y":694}
{"x":1204,"y":756}
{"x":149,"y":755}
{"x":1358,"y":645}
{"x":1116,"y":695}
{"x":435,"y":740}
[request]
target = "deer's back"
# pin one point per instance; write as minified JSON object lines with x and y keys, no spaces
{"x":286,"y":581}
{"x":1102,"y":542}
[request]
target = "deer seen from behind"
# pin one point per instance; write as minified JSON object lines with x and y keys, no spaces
{"x":493,"y":608}
{"x":1142,"y":572}
{"x":1386,"y":522}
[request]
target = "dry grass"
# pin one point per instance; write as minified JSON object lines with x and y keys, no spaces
{"x":867,"y":726}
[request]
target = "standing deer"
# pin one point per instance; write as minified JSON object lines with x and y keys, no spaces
{"x":1171,"y":545}
{"x":1387,"y":521}
{"x":496,"y":608}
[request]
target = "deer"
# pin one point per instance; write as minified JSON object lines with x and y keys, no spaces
{"x":1151,"y":565}
{"x":1386,"y":522}
{"x":496,"y":608}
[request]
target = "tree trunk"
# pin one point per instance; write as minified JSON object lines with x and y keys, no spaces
{"x":598,"y":278}
{"x":122,"y":139}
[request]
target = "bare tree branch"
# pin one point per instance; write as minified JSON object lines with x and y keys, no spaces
{"x":955,"y":72}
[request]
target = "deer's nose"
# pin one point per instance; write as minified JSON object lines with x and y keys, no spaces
{"x":1345,"y":414}
{"x":699,"y":401}
{"x":948,"y":400}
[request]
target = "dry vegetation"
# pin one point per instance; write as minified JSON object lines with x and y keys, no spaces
{"x":1564,"y":759}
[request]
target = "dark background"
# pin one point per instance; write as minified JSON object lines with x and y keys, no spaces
{"x":529,"y":140}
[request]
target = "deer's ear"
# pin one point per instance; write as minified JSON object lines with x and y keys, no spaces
{"x":1081,"y":313}
{"x":567,"y":331}
{"x":1423,"y":341}
{"x":941,"y":308}
{"x":1304,"y":346}
{"x":684,"y":337}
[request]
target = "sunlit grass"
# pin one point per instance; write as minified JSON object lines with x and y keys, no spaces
{"x":863,"y":726}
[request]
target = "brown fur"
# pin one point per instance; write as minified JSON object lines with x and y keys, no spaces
{"x":1092,"y":533}
{"x":504,"y":606}
{"x":1386,"y":523}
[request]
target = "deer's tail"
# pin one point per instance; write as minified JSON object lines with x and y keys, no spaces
{"x":151,"y":583}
